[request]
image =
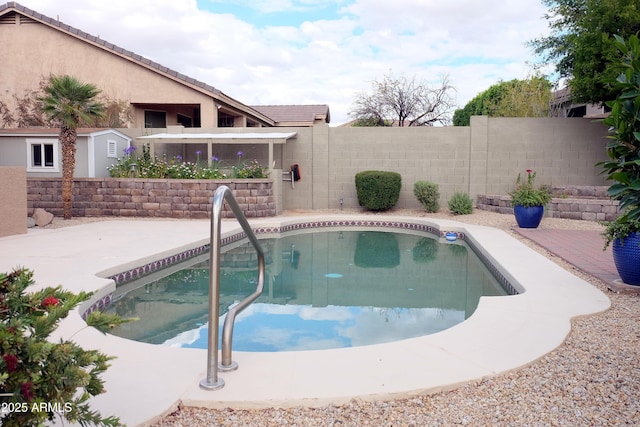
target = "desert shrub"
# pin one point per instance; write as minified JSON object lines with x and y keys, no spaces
{"x":428,"y":194}
{"x":42,"y":379}
{"x":461,"y":204}
{"x":378,"y":190}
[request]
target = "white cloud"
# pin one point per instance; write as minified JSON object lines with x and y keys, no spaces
{"x":476,"y":42}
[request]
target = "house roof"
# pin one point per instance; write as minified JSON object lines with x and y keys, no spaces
{"x":284,"y":115}
{"x":41,"y":131}
{"x":9,"y":7}
{"x":295,"y":114}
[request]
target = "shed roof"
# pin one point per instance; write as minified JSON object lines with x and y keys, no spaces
{"x":41,"y":131}
{"x":266,"y":137}
{"x":295,"y":114}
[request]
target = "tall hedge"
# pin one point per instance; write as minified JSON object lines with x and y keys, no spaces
{"x":378,"y":190}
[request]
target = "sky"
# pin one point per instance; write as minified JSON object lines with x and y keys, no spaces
{"x":277,"y":52}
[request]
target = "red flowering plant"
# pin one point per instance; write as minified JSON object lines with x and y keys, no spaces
{"x":526,"y":194}
{"x":41,"y":379}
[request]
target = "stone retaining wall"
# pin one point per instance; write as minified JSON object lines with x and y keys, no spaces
{"x":169,"y":198}
{"x":589,"y":203}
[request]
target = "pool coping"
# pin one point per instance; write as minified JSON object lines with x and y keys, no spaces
{"x":504,"y":333}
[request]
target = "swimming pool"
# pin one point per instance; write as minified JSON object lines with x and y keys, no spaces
{"x":326,"y":289}
{"x":503,"y":333}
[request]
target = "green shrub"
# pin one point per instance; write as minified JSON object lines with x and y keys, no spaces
{"x":428,"y":194}
{"x":461,"y":204}
{"x":36,"y":369}
{"x":378,"y":190}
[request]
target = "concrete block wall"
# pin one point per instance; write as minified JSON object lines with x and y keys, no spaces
{"x":171,"y":198}
{"x":440,"y":155}
{"x":561,"y":151}
{"x":484,"y":158}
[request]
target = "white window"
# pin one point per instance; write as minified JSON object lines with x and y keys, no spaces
{"x":42,"y":155}
{"x":112,"y":149}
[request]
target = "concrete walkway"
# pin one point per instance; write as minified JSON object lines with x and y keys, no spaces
{"x":581,"y":248}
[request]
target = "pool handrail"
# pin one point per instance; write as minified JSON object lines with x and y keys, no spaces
{"x":212,"y":381}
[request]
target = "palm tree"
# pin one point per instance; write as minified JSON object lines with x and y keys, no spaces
{"x":70,"y":103}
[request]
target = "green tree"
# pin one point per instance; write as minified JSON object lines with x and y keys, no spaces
{"x":513,"y":98}
{"x":70,"y":104}
{"x":581,"y":44}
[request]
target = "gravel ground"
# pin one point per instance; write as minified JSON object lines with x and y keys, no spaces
{"x":593,"y":379}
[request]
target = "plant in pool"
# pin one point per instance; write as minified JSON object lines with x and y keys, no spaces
{"x":526,"y":194}
{"x":426,"y":250}
{"x":42,"y":379}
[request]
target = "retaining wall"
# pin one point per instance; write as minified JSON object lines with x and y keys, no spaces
{"x":169,"y":198}
{"x":589,"y":203}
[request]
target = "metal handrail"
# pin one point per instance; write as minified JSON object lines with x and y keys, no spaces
{"x":212,"y":381}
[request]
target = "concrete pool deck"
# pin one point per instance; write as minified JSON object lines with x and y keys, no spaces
{"x":147,"y":381}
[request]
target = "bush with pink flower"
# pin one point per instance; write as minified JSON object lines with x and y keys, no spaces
{"x":527,"y":194}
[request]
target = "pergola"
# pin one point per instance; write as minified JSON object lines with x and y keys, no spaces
{"x":210,"y":139}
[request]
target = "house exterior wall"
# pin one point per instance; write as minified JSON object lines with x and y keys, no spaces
{"x":13,"y":193}
{"x":14,"y":152}
{"x":91,"y":153}
{"x":117,"y":77}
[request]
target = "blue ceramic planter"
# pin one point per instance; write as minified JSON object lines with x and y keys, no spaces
{"x":528,"y":217}
{"x":626,"y":256}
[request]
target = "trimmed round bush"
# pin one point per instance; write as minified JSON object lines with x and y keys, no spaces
{"x":461,"y":204}
{"x":428,"y":194}
{"x":378,"y":190}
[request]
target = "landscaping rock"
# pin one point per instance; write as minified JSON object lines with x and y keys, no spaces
{"x":42,"y":217}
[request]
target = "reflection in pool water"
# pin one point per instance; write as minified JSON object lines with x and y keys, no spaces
{"x":324,"y":289}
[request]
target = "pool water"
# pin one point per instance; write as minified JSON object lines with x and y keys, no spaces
{"x":325,"y":289}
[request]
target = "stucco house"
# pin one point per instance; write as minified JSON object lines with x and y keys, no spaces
{"x":158,"y":96}
{"x":38,"y":150}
